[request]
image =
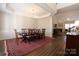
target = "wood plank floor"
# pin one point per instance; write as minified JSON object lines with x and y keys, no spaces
{"x":55,"y":48}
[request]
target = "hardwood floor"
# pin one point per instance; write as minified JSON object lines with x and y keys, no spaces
{"x":55,"y":48}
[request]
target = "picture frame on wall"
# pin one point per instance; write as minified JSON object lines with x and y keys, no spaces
{"x":60,"y":25}
{"x":55,"y":25}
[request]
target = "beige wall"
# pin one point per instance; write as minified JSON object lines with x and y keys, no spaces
{"x":9,"y":22}
{"x":47,"y":24}
{"x":57,"y":20}
{"x":1,"y":21}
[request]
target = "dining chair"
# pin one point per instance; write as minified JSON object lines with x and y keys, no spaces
{"x":16,"y":36}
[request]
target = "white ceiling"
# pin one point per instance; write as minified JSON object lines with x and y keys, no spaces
{"x":35,"y":10}
{"x":63,"y":5}
{"x":29,"y":10}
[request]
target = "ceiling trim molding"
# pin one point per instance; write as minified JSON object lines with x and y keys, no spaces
{"x":46,"y":7}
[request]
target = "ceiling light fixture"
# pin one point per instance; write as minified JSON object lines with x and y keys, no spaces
{"x":68,"y":19}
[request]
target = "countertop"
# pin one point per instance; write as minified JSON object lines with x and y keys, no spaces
{"x":72,"y":33}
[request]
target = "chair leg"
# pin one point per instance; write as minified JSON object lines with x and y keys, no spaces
{"x":24,"y":40}
{"x":29,"y":40}
{"x":17,"y":41}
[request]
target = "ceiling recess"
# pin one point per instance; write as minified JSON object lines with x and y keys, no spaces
{"x":33,"y":10}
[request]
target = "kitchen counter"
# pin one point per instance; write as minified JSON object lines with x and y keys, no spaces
{"x":72,"y":33}
{"x":72,"y":43}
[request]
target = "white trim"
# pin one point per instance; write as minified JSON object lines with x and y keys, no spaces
{"x":6,"y":52}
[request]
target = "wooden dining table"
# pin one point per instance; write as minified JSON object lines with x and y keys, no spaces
{"x":29,"y":35}
{"x":25,"y":37}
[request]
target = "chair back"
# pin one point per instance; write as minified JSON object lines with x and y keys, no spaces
{"x":16,"y":34}
{"x":17,"y":38}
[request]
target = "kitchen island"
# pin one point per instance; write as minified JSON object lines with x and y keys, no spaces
{"x":72,"y":44}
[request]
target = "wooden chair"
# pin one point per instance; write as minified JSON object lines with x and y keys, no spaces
{"x":42,"y":34}
{"x":16,"y":35}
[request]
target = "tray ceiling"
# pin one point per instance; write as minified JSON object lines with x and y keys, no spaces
{"x":33,"y":10}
